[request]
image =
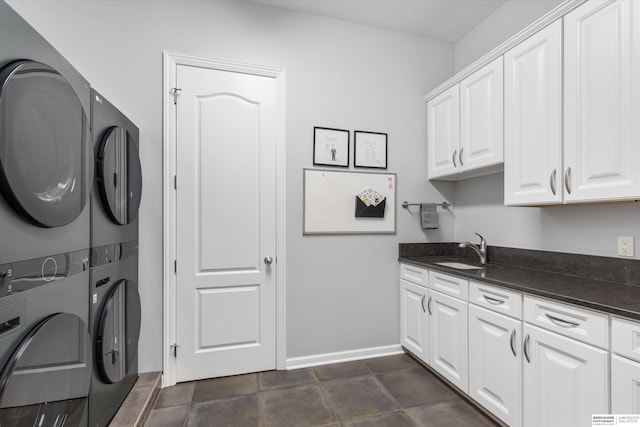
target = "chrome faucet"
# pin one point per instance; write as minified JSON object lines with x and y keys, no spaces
{"x":481,"y":251}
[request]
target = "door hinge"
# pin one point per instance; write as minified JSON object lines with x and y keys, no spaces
{"x":175,"y":92}
{"x":175,"y":182}
{"x":175,"y":265}
{"x":174,"y":348}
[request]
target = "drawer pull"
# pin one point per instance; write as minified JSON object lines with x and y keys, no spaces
{"x":561,"y":322}
{"x":513,"y":342}
{"x":422,"y":303}
{"x":524,"y":347}
{"x":429,"y":306}
{"x":494,"y":301}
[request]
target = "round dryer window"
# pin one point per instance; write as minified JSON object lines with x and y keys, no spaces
{"x":46,"y":380}
{"x":46,"y":163}
{"x":118,"y":332}
{"x":119,"y":175}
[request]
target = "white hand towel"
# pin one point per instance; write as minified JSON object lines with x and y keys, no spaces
{"x":428,"y":215}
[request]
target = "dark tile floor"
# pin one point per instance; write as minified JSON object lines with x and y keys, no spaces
{"x":393,"y":391}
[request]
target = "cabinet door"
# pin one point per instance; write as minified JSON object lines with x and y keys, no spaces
{"x":443,"y":133}
{"x":414,"y":327}
{"x":625,"y":386}
{"x":533,"y":119}
{"x":448,"y":346}
{"x":602,"y":101}
{"x":565,"y":381}
{"x":481,"y":118}
{"x":495,"y":363}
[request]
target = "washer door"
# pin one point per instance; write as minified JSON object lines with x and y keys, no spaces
{"x":119,"y":175}
{"x":45,"y":157}
{"x":118,"y":332}
{"x":46,"y":380}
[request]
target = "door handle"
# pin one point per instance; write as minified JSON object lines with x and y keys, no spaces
{"x":552,"y":182}
{"x":268,"y":260}
{"x":512,"y":342}
{"x":454,"y":158}
{"x":460,"y":157}
{"x":429,"y":306}
{"x":567,"y":177}
{"x":422,"y":303}
{"x":525,"y":348}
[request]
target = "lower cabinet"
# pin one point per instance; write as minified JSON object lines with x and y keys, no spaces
{"x":625,"y":386}
{"x":495,"y":363}
{"x":448,"y":346}
{"x":565,"y":381}
{"x":414,"y":326}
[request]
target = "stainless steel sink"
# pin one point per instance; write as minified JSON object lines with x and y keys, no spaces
{"x":459,"y":265}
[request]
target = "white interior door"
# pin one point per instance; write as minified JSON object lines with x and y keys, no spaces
{"x":226,"y":223}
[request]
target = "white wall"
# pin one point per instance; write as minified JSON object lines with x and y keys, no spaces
{"x":341,"y":290}
{"x":479,"y":202}
{"x":498,"y":27}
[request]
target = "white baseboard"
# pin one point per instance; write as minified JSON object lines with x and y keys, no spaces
{"x":342,"y":356}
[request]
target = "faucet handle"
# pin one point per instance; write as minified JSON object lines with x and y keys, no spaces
{"x":482,"y":241}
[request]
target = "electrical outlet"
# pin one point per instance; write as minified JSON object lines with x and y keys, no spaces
{"x":625,"y":246}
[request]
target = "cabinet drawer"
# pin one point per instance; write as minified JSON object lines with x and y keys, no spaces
{"x":625,"y":338}
{"x":450,"y":285}
{"x":584,"y":325}
{"x":497,"y":299}
{"x":414,"y":274}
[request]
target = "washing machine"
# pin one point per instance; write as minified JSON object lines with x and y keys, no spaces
{"x":115,"y":302}
{"x":115,"y":316}
{"x":118,"y":184}
{"x":44,"y":341}
{"x":46,"y":155}
{"x":46,"y":173}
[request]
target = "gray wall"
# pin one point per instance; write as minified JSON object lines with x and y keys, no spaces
{"x":341,"y":290}
{"x":498,"y":27}
{"x":479,"y":202}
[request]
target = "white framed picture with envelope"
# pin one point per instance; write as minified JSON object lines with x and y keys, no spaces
{"x":348,"y":202}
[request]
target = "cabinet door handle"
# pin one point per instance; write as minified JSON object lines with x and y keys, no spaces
{"x":561,"y":322}
{"x":552,"y":182}
{"x":429,"y":306}
{"x":567,"y":177}
{"x":525,"y":348}
{"x":460,"y":157}
{"x":512,"y":341}
{"x":494,"y":301}
{"x":454,"y":158}
{"x":422,"y":303}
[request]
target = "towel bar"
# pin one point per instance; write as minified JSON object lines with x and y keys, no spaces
{"x":443,"y":205}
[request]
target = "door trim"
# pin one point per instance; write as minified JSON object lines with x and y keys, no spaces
{"x":171,"y":60}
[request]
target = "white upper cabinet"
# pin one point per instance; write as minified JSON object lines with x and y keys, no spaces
{"x":481,"y":118}
{"x":465,"y":136}
{"x":602,"y":101}
{"x":533,"y":119}
{"x":443,"y":118}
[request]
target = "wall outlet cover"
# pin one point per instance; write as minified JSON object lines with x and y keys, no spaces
{"x":626,"y":246}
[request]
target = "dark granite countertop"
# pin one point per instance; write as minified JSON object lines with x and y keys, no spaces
{"x":620,"y":296}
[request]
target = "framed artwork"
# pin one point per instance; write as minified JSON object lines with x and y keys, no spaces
{"x":370,"y":150}
{"x":330,"y":147}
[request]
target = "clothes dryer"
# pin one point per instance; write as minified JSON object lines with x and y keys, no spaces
{"x":118,"y":182}
{"x":115,"y":328}
{"x":45,"y":348}
{"x":46,"y":159}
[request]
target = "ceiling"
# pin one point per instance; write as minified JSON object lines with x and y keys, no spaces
{"x":447,"y":20}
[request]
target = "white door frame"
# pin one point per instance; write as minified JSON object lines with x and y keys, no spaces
{"x":171,"y":60}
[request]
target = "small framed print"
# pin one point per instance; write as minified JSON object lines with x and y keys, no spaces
{"x":370,"y":150}
{"x":330,"y":147}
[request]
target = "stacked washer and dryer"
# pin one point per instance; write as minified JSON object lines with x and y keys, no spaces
{"x":69,"y":306}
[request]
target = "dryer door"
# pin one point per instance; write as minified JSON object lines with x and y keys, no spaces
{"x":119,"y":175}
{"x":46,"y":380}
{"x":118,"y":332}
{"x":46,"y":165}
